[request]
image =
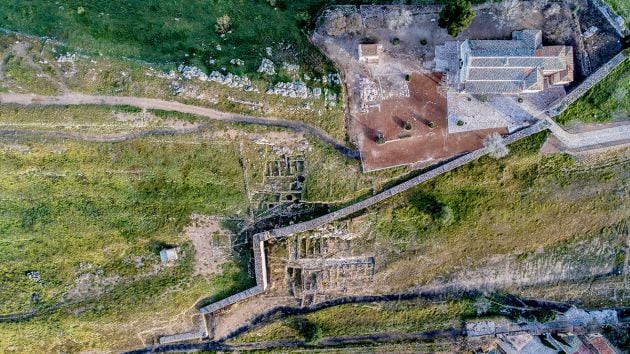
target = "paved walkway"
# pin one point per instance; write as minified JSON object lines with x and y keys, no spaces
{"x":153,"y":103}
{"x":593,"y":138}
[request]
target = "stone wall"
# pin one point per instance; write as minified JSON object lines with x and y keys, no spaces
{"x":586,"y":85}
{"x":232,"y":299}
{"x":260,"y":238}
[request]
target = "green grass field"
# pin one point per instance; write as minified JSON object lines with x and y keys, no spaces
{"x":103,"y":205}
{"x":171,"y":31}
{"x":607,"y":101}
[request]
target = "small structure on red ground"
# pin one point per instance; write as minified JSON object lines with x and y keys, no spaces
{"x":369,"y":53}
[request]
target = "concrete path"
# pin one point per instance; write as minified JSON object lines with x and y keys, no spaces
{"x":153,"y":103}
{"x":618,"y":134}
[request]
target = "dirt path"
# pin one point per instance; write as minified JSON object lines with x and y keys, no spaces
{"x":152,"y":103}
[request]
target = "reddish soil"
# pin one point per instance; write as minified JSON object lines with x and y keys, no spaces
{"x":419,"y":144}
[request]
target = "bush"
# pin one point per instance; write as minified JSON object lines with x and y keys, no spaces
{"x":423,"y":41}
{"x":407,"y":77}
{"x":223,"y":25}
{"x":431,"y":124}
{"x":395,"y":41}
{"x":460,"y":122}
{"x":303,"y":17}
{"x":456,"y":16}
{"x":407,"y":126}
{"x":495,"y":146}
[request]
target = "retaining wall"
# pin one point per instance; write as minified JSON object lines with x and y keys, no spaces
{"x":616,"y":21}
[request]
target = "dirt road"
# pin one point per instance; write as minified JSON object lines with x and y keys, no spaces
{"x":152,"y":103}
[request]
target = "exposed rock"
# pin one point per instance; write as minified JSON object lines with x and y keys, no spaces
{"x":290,"y":67}
{"x":231,"y":80}
{"x":331,"y":79}
{"x":267,"y":67}
{"x":295,"y":89}
{"x":237,"y":62}
{"x":34,"y":276}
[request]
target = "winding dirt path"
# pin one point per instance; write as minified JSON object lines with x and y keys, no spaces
{"x":153,"y":103}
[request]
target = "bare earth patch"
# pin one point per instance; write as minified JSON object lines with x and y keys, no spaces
{"x":211,"y":242}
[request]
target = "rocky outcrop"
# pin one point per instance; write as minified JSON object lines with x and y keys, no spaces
{"x":229,"y":79}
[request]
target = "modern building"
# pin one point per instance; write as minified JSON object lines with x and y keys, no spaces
{"x":514,"y":66}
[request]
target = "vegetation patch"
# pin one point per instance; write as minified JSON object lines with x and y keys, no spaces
{"x":607,"y":101}
{"x":160,"y":31}
{"x":495,"y":207}
{"x":103,"y":206}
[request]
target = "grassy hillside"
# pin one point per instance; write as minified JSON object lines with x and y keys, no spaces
{"x":508,"y":207}
{"x":607,"y":101}
{"x":171,"y":31}
{"x":71,"y":208}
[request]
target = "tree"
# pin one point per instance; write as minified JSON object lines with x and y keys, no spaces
{"x":223,"y":24}
{"x":456,"y":16}
{"x":495,"y":146}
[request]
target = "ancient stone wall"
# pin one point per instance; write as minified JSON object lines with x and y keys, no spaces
{"x":260,"y":238}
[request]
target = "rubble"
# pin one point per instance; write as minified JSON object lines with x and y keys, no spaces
{"x":160,"y":74}
{"x":268,"y":51}
{"x":237,"y":62}
{"x":267,"y":67}
{"x":590,"y":31}
{"x":369,"y":93}
{"x":298,"y":89}
{"x":34,"y":276}
{"x":67,"y":58}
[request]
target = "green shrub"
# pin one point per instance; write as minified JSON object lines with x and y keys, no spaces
{"x":456,"y":16}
